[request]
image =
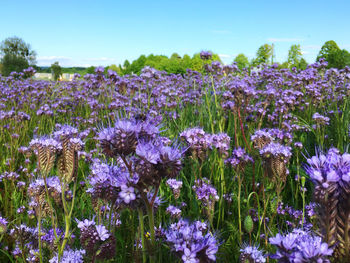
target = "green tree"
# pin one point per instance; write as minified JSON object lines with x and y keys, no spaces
{"x":335,"y":57}
{"x":242,"y":61}
{"x":90,"y":70}
{"x":302,"y":64}
{"x":12,"y":63}
{"x":328,"y":48}
{"x":16,"y":55}
{"x":115,"y":68}
{"x":294,"y":56}
{"x":56,"y":71}
{"x":263,"y":54}
{"x":137,"y":65}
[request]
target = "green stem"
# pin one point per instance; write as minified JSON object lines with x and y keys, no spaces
{"x":67,"y":220}
{"x":239,"y":208}
{"x":151,"y":230}
{"x":142,"y":230}
{"x":39,"y":236}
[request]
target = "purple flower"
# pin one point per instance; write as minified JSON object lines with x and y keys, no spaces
{"x":3,"y":225}
{"x":70,"y":256}
{"x":320,"y":119}
{"x":102,"y":232}
{"x":120,"y":139}
{"x":252,"y":254}
{"x":189,"y":256}
{"x":149,"y":152}
{"x":206,"y":55}
{"x":173,"y":211}
{"x":190,"y":241}
{"x":300,"y":246}
{"x":85,"y":223}
{"x":65,"y":131}
{"x":127,"y":194}
{"x":221,"y":142}
{"x":174,"y":184}
{"x":239,"y":158}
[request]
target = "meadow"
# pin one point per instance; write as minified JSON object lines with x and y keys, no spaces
{"x":229,"y":166}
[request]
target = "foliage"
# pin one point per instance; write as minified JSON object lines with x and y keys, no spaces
{"x":263,"y":55}
{"x":294,"y":55}
{"x":175,"y":64}
{"x":12,"y":63}
{"x":16,"y":54}
{"x":335,"y":57}
{"x":56,"y":71}
{"x":242,"y":61}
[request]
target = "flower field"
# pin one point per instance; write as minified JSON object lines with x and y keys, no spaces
{"x":226,"y":166}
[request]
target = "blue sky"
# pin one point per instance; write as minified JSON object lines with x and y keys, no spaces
{"x":91,"y":32}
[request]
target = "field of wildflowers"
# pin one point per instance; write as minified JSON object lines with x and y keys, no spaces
{"x":226,"y":166}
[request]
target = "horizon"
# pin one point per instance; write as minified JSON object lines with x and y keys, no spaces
{"x":87,"y":33}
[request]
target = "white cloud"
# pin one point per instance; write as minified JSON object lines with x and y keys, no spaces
{"x":285,"y":39}
{"x":75,"y":62}
{"x":53,"y":57}
{"x":48,"y":60}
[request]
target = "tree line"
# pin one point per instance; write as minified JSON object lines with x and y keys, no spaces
{"x":16,"y":55}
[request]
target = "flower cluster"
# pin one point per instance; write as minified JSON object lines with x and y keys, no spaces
{"x":63,"y":146}
{"x":263,"y":137}
{"x":206,"y":55}
{"x":107,"y":182}
{"x":3,"y":225}
{"x":37,"y":193}
{"x":251,"y":254}
{"x":146,"y":158}
{"x":276,"y":158}
{"x":330,"y":173}
{"x":192,"y":242}
{"x":96,"y":240}
{"x":173,"y":211}
{"x":199,"y":142}
{"x":300,"y":246}
{"x":206,"y":194}
{"x":239,"y":158}
{"x":70,"y":256}
{"x":319,"y":119}
{"x":175,"y":187}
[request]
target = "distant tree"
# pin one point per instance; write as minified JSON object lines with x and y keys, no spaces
{"x":335,"y":57}
{"x":294,"y":55}
{"x":346,"y":57}
{"x":16,"y":55}
{"x":338,"y":59}
{"x":283,"y":65}
{"x":12,"y":63}
{"x":263,"y":54}
{"x":115,"y":68}
{"x":56,"y":71}
{"x":175,"y":56}
{"x":242,"y":61}
{"x":126,"y":65}
{"x":302,"y":64}
{"x":137,"y":65}
{"x":90,"y":70}
{"x":186,"y":61}
{"x":328,"y":48}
